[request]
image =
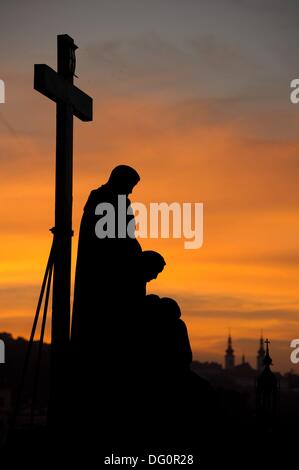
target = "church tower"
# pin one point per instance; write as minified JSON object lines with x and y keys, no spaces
{"x":229,"y":356}
{"x":267,"y":392}
{"x":260,"y":355}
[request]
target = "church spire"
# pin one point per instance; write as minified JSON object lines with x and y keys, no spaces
{"x":267,"y":391}
{"x":260,"y":354}
{"x":229,"y":356}
{"x":267,"y":359}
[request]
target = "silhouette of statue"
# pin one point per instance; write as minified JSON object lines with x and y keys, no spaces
{"x":176,"y":398}
{"x":132,"y":335}
{"x":104,"y":271}
{"x":103,"y":264}
{"x":132,"y":350}
{"x":175,"y":346}
{"x":150,"y":265}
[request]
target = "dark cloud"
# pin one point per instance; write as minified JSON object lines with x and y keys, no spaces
{"x":222,"y":306}
{"x":281,"y":259}
{"x":203,"y":65}
{"x":8,"y":126}
{"x":17,"y":297}
{"x":284,"y":315}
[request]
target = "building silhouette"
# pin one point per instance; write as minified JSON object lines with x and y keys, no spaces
{"x":230,"y":361}
{"x":229,"y":355}
{"x":260,"y":355}
{"x":267,"y":391}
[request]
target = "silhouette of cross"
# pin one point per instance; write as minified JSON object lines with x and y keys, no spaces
{"x":267,"y":342}
{"x":70,"y":101}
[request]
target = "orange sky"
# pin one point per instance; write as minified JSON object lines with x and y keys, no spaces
{"x":235,"y":152}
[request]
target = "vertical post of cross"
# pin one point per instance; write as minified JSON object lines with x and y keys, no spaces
{"x":70,"y":100}
{"x":63,"y":230}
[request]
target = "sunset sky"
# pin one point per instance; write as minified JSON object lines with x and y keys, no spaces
{"x":195,"y":95}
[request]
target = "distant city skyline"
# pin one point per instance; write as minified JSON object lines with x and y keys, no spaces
{"x":253,"y":358}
